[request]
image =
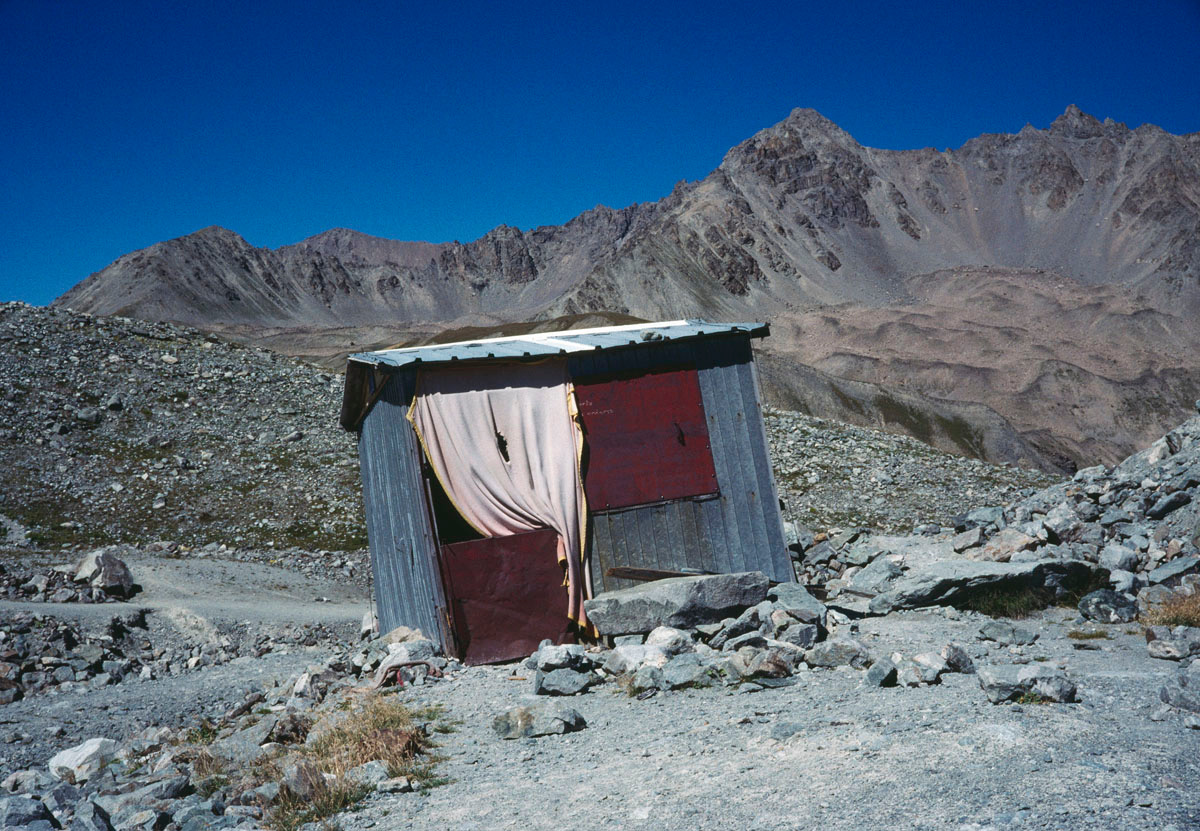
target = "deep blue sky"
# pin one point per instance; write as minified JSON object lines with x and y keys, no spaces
{"x":126,"y":123}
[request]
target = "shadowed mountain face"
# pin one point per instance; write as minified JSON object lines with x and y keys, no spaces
{"x":1052,"y":276}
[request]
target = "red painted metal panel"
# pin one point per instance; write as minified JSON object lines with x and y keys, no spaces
{"x":647,"y":438}
{"x":506,"y":595}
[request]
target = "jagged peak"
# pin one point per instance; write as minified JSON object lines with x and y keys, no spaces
{"x":1075,"y":123}
{"x":213,"y":232}
{"x":807,"y":116}
{"x":804,"y":127}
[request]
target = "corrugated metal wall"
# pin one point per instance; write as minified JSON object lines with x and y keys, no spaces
{"x":408,"y":584}
{"x":740,"y":530}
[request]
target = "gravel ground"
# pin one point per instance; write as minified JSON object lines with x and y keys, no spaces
{"x":35,"y":728}
{"x":191,"y":602}
{"x":827,"y":754}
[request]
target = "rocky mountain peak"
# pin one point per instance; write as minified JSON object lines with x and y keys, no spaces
{"x":1075,"y":123}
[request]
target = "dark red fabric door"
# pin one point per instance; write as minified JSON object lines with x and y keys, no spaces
{"x":506,"y":595}
{"x":647,"y":438}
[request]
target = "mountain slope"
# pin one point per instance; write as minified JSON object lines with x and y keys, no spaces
{"x":1051,"y":275}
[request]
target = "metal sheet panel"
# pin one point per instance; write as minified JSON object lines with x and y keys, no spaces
{"x":646,"y":438}
{"x":506,"y":595}
{"x":554,"y":343}
{"x":740,"y":530}
{"x":408,"y":586}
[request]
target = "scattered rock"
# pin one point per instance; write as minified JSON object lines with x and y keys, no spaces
{"x":882,"y":673}
{"x":563,"y":682}
{"x":541,"y":719}
{"x":81,"y":762}
{"x":838,"y":652}
{"x":1006,"y":634}
{"x":1107,"y":606}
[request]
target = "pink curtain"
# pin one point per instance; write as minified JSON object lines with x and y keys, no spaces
{"x":505,"y":442}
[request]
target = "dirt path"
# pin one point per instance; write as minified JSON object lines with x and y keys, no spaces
{"x":220,"y":591}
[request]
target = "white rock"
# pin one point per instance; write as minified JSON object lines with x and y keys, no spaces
{"x":78,"y":764}
{"x":669,"y":640}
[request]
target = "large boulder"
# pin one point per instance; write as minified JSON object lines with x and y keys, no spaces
{"x":106,"y":571}
{"x":949,"y":581}
{"x":680,"y":602}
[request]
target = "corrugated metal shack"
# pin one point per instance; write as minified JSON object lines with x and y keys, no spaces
{"x":676,"y":472}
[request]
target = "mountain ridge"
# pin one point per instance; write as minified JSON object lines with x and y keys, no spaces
{"x":1092,"y":220}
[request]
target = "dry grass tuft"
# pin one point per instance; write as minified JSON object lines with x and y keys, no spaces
{"x":1182,"y":610}
{"x":381,"y":729}
{"x":1087,"y":635}
{"x":291,"y":812}
{"x":377,"y":728}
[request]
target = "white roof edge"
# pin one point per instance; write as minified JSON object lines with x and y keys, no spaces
{"x":543,"y":337}
{"x":561,"y":341}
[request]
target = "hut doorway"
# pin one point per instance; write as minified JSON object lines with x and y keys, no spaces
{"x":504,"y":594}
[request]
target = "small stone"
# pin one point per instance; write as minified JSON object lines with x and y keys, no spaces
{"x":967,"y":539}
{"x":304,"y":780}
{"x":670,"y":640}
{"x":648,"y":677}
{"x":1047,"y":683}
{"x":369,"y":773}
{"x":688,"y":670}
{"x":90,"y":817}
{"x":21,"y":811}
{"x":1115,"y":556}
{"x":1006,"y":634}
{"x":803,"y":635}
{"x":1002,"y":546}
{"x":957,"y":659}
{"x":931,"y":665}
{"x":882,"y":673}
{"x":1000,"y":683}
{"x":550,"y":657}
{"x":542,"y":719}
{"x":1167,"y":504}
{"x":563,"y":682}
{"x":838,"y":652}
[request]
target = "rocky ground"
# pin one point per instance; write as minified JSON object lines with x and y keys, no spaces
{"x":116,"y":431}
{"x":978,"y":646}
